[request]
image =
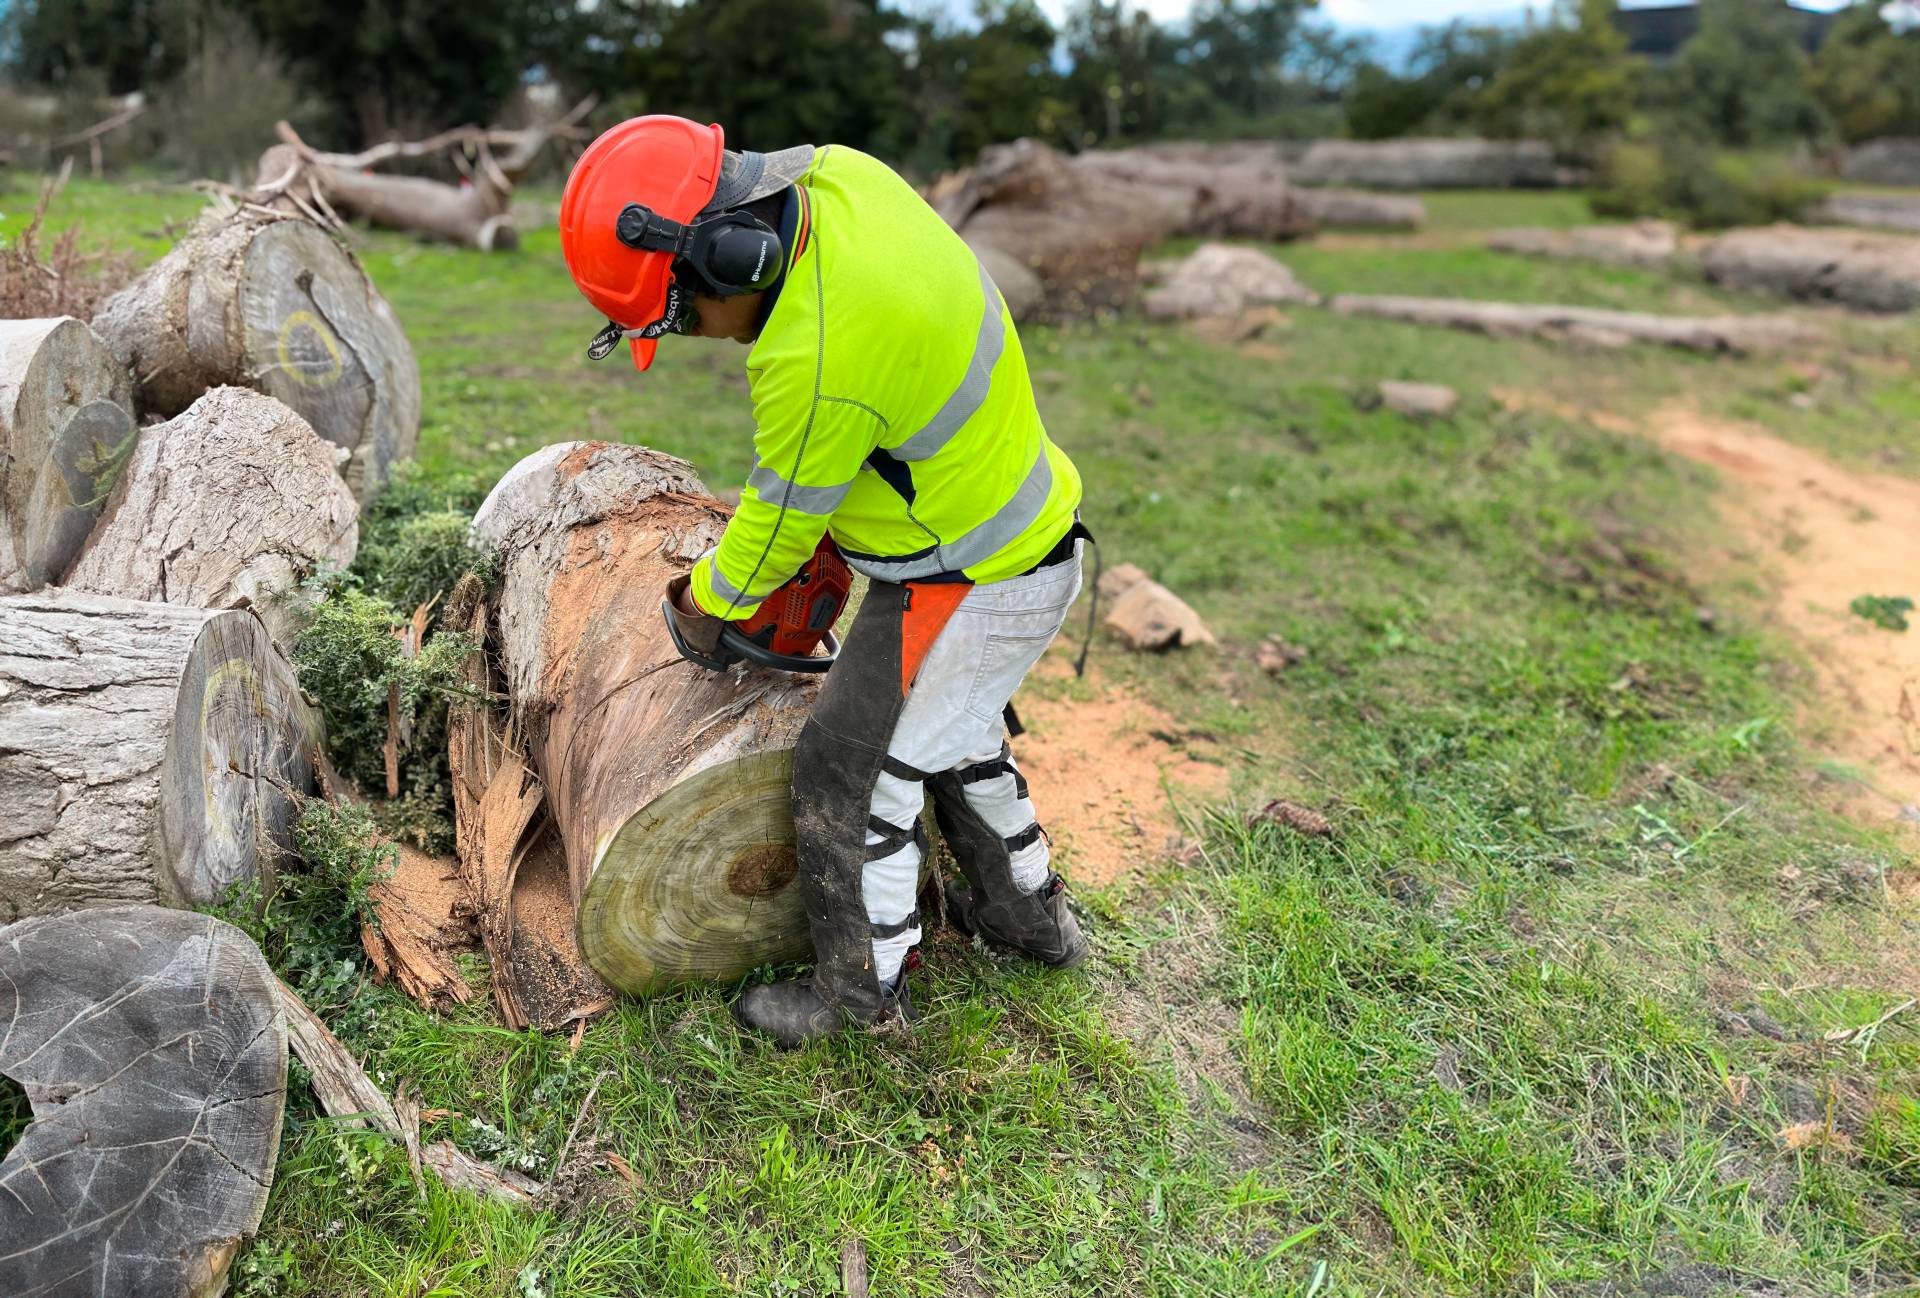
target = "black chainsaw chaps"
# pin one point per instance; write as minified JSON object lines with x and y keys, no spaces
{"x":836,"y":764}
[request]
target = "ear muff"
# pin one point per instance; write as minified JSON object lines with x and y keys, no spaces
{"x":731,"y":253}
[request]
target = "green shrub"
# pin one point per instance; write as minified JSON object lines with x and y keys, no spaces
{"x":1700,"y":186}
{"x":351,"y":662}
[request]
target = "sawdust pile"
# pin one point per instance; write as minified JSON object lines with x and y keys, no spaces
{"x":1102,"y":770}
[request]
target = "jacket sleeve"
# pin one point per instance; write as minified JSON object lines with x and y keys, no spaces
{"x":806,"y":456}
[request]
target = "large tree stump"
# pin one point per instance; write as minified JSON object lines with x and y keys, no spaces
{"x":148,"y":752}
{"x":64,"y":421}
{"x":151,"y":1047}
{"x":230,"y":504}
{"x":274,"y":305}
{"x":668,"y":785}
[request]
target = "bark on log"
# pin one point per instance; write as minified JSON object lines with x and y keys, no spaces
{"x":231,"y":504}
{"x":1591,"y":325}
{"x":151,"y":1047}
{"x":667,"y":784}
{"x":148,"y":752}
{"x":65,"y":419}
{"x":1870,"y":271}
{"x":275,"y":305}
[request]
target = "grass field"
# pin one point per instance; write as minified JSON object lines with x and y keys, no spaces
{"x":1549,"y":1013}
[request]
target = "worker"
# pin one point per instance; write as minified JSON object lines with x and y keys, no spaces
{"x":893,"y":414}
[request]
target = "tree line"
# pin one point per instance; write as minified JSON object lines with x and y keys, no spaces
{"x":929,"y":87}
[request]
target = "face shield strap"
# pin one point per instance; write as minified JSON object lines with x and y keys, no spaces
{"x":678,"y":318}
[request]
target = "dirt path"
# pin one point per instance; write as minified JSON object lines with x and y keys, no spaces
{"x":1827,"y":535}
{"x":1824,"y":535}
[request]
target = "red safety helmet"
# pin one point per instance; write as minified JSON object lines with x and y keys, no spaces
{"x":668,"y":164}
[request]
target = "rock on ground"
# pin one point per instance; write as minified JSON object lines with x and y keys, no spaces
{"x":1419,"y":400}
{"x":1218,"y":279}
{"x":1147,"y":615}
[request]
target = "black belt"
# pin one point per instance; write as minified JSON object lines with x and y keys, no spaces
{"x":1062,"y":549}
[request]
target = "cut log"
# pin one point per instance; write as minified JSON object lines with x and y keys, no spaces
{"x":667,"y":785}
{"x":1648,"y":245}
{"x":230,"y":504}
{"x":151,"y":1047}
{"x":1429,"y":164}
{"x":65,"y":421}
{"x":1591,"y":325}
{"x":275,"y":305}
{"x":1219,"y":279}
{"x":1856,"y":268}
{"x":148,"y":752}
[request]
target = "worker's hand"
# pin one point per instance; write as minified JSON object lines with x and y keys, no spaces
{"x":698,"y":632}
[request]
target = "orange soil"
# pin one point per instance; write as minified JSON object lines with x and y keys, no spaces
{"x":1824,"y":535}
{"x":1101,"y":777}
{"x":1830,"y":534}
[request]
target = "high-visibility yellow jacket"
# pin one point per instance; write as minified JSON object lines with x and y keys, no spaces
{"x":892,"y":403}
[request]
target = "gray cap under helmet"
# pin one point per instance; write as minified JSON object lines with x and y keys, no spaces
{"x":746,"y":175}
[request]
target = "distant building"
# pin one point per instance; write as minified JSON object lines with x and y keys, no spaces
{"x":1657,"y":32}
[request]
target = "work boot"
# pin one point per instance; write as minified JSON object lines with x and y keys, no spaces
{"x":1036,"y":924}
{"x":793,"y":1012}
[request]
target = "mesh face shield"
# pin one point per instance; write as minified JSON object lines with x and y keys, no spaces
{"x":678,"y":318}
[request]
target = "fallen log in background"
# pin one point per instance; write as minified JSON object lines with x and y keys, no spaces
{"x":1649,"y":245}
{"x":1886,"y":211}
{"x":667,"y":785}
{"x":65,"y":420}
{"x":230,"y":504}
{"x":1429,"y":164}
{"x":151,"y":1047}
{"x":151,"y":752}
{"x":1856,"y":268}
{"x":1080,"y":233}
{"x":293,"y":177}
{"x":1359,"y":209}
{"x":276,"y":305}
{"x":1249,"y":200}
{"x":1591,"y":325}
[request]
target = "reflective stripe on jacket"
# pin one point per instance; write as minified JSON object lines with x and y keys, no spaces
{"x":892,"y":404}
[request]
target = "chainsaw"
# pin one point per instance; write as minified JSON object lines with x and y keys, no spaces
{"x":789,"y":625}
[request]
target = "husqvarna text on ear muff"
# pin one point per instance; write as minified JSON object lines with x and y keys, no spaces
{"x":730,"y":253}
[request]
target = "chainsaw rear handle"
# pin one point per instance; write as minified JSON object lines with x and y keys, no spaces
{"x":732,"y":647}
